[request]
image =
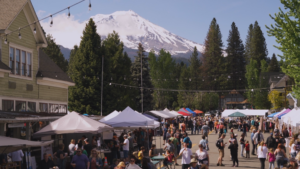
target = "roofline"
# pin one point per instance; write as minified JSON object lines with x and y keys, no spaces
{"x":16,"y":15}
{"x":285,"y":76}
{"x":58,"y":81}
{"x":4,"y":70}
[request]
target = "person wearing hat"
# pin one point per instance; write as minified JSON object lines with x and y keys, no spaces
{"x":121,"y":165}
{"x":193,"y":164}
{"x":125,"y":146}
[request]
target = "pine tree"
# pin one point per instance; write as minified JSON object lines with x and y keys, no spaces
{"x":274,"y":65}
{"x":119,"y":65}
{"x":252,"y":75}
{"x":161,"y":72}
{"x":136,"y":75}
{"x":248,"y":48}
{"x":72,"y":60}
{"x":194,"y":68}
{"x":85,"y":95}
{"x":236,"y":63}
{"x":212,"y":60}
{"x":259,"y":45}
{"x":53,"y":51}
{"x":185,"y":98}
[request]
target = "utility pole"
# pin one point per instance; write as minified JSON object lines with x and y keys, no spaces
{"x":142,"y":82}
{"x":102,"y":83}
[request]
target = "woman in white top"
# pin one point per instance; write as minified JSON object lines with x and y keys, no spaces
{"x":262,"y":151}
{"x":202,"y":156}
{"x":72,"y":147}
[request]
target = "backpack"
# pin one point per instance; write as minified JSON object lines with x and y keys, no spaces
{"x":218,"y":144}
{"x":136,"y":154}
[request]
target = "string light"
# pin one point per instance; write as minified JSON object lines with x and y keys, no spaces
{"x":51,"y":22}
{"x":69,"y":14}
{"x":5,"y":41}
{"x":20,"y":37}
{"x":90,"y":6}
{"x":34,"y":29}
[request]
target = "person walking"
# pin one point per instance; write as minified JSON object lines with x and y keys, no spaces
{"x":95,"y":161}
{"x":257,"y":138}
{"x":252,"y":141}
{"x":60,"y":155}
{"x":220,"y":145}
{"x":247,"y":147}
{"x":186,"y":155}
{"x":80,"y":161}
{"x":242,"y":143}
{"x":280,"y":155}
{"x":203,"y":143}
{"x":202,"y":156}
{"x":262,"y":151}
{"x":271,"y":158}
{"x":234,"y":153}
{"x":271,"y":142}
{"x":175,"y":143}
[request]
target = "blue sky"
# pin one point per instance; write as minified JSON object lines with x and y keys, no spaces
{"x":187,"y":18}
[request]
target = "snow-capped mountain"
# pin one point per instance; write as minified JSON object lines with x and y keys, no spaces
{"x":133,"y":29}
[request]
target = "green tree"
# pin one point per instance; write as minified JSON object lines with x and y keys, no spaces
{"x":136,"y":76}
{"x":275,"y":99}
{"x":252,"y":76}
{"x":85,"y":95}
{"x":71,"y":66}
{"x":263,"y":66}
{"x":185,"y":98}
{"x":161,"y":72}
{"x":53,"y":51}
{"x":119,"y":65}
{"x":212,"y":60}
{"x":248,"y":48}
{"x":236,"y":63}
{"x":274,"y":65}
{"x":194,"y":68}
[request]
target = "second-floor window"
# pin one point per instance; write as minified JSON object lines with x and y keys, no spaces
{"x":20,"y":62}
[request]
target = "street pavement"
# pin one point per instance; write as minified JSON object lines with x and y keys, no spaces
{"x":252,"y":162}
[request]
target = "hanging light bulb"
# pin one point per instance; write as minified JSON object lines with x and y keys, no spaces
{"x":111,"y":78}
{"x":229,"y":77}
{"x":5,"y":41}
{"x":203,"y":80}
{"x":190,"y":79}
{"x":240,"y":79}
{"x":177,"y":80}
{"x":110,"y":84}
{"x":264,"y":77}
{"x":215,"y":79}
{"x":90,"y":6}
{"x":20,"y":37}
{"x":124,"y":78}
{"x":69,"y":14}
{"x":51,"y":22}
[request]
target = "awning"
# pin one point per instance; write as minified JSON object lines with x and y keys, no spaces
{"x":184,"y":112}
{"x":283,"y":113}
{"x":72,"y":123}
{"x":271,"y":115}
{"x":191,"y":111}
{"x":237,"y":114}
{"x":198,"y":111}
{"x":8,"y":144}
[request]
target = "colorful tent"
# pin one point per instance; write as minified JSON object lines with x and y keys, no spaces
{"x":283,"y":113}
{"x":191,"y":111}
{"x":198,"y":111}
{"x":184,"y":112}
{"x":272,"y":115}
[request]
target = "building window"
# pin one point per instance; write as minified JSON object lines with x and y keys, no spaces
{"x":20,"y":62}
{"x":23,"y":68}
{"x":20,"y":106}
{"x":62,"y":109}
{"x":7,"y":105}
{"x":31,"y":106}
{"x":53,"y":108}
{"x":44,"y":107}
{"x":12,"y":60}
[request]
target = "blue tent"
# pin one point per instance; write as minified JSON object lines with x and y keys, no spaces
{"x":272,"y":115}
{"x":189,"y":110}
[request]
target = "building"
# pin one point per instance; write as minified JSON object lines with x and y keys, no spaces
{"x":234,"y":100}
{"x":30,"y":81}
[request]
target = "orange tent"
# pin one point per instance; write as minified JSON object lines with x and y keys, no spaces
{"x":198,"y":111}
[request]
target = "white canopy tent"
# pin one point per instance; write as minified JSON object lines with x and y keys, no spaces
{"x":111,"y":115}
{"x":72,"y":123}
{"x":292,"y":118}
{"x":163,"y":114}
{"x":174,"y":113}
{"x":8,"y":144}
{"x":247,"y":112}
{"x":130,"y":118}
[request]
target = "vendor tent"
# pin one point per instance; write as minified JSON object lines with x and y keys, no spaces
{"x":111,"y":115}
{"x":283,"y":113}
{"x":198,"y":111}
{"x":273,"y":114}
{"x":247,"y":112}
{"x":8,"y":144}
{"x":72,"y":123}
{"x":237,"y":114}
{"x":191,"y":111}
{"x":175,"y":113}
{"x":292,"y":118}
{"x":184,"y":112}
{"x":151,"y":117}
{"x":130,"y":118}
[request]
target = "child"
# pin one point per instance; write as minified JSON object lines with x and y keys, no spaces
{"x":247,"y":146}
{"x":271,"y":157}
{"x":168,"y":157}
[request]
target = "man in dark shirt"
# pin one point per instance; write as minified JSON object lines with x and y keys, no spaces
{"x":3,"y":159}
{"x":46,"y":163}
{"x":88,"y":147}
{"x":271,"y":142}
{"x":221,"y":150}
